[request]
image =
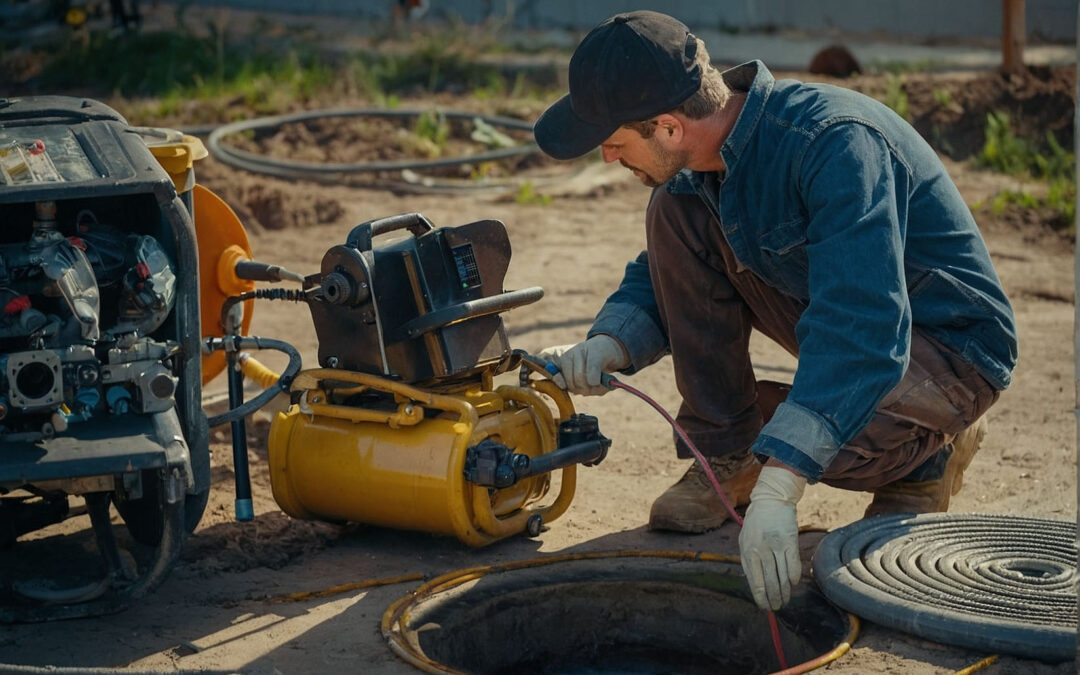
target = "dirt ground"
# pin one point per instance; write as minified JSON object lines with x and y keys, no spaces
{"x":214,"y":612}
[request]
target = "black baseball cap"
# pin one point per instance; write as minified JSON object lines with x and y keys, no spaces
{"x":631,"y":67}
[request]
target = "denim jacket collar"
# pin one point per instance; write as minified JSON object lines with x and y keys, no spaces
{"x":756,"y":80}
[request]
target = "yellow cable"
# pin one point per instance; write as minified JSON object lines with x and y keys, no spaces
{"x":254,"y":370}
{"x":988,"y":661}
{"x":344,"y":588}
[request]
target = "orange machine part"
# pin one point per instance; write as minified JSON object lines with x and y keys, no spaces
{"x":222,"y":242}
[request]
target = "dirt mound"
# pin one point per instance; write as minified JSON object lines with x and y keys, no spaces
{"x":266,"y":204}
{"x":951,"y":112}
{"x":273,"y":541}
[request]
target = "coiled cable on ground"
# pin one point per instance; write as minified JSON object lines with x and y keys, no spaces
{"x":289,"y":168}
{"x":989,"y":582}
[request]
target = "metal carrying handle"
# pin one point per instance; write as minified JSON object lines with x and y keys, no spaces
{"x":471,"y":309}
{"x":360,"y":237}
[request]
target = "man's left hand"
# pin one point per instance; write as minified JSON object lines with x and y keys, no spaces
{"x":769,"y":541}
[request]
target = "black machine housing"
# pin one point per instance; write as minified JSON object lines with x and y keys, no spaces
{"x":424,"y":307}
{"x":100,"y":383}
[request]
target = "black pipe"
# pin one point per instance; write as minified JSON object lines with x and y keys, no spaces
{"x":589,"y":452}
{"x":244,"y":509}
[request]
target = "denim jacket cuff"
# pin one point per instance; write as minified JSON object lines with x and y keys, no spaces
{"x":799,"y":438}
{"x":634,"y":328}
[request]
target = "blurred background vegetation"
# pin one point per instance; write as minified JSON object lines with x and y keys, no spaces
{"x":202,"y":71}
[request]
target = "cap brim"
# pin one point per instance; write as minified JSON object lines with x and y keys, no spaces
{"x":563,"y":135}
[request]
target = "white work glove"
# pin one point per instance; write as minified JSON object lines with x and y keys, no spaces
{"x":581,"y":365}
{"x":769,"y":541}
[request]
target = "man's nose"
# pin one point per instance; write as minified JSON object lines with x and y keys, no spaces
{"x":610,"y":154}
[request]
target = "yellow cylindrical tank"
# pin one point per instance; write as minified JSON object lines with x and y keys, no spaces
{"x":404,"y":468}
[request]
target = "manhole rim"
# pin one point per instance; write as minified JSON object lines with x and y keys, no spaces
{"x":396,"y":615}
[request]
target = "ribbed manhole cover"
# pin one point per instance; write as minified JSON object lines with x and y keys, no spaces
{"x":621,"y":612}
{"x":989,"y":582}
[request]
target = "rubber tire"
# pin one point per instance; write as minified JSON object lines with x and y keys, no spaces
{"x":194,"y":507}
{"x":145,"y":516}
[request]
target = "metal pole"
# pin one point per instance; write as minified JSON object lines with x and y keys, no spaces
{"x":1076,"y":284}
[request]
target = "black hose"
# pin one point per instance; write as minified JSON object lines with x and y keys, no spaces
{"x":285,"y":168}
{"x":994,"y":583}
{"x":237,"y":343}
{"x":289,"y":294}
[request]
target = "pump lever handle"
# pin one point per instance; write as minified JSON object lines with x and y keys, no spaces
{"x":470,"y":309}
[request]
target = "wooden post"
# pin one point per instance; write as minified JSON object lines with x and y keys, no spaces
{"x":1013,"y":34}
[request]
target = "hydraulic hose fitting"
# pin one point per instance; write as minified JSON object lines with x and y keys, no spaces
{"x":581,"y":428}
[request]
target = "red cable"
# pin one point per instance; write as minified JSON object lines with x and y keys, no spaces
{"x":774,"y":627}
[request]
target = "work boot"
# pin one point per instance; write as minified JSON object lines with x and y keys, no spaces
{"x":931,"y":496}
{"x":692,"y":505}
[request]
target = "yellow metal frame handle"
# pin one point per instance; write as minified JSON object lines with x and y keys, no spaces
{"x":516,"y":522}
{"x":407,"y":415}
{"x":309,"y":381}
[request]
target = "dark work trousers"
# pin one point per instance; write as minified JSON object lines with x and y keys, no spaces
{"x":709,"y":304}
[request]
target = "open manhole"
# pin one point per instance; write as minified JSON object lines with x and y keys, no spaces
{"x":619,"y":612}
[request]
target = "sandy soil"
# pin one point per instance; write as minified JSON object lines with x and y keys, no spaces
{"x":214,"y":613}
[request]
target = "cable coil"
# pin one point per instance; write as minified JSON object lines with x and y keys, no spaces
{"x":982,"y":581}
{"x":287,"y":168}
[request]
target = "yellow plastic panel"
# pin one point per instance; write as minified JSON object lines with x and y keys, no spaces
{"x":220,"y":236}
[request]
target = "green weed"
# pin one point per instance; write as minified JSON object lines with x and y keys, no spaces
{"x":901,"y":67}
{"x":1005,"y":152}
{"x":1060,"y":199}
{"x":435,"y":60}
{"x":528,"y":195}
{"x":942,"y":97}
{"x":1002,"y":150}
{"x":895,"y":96}
{"x":270,"y":74}
{"x":432,"y":127}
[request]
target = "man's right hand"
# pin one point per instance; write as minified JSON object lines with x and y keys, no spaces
{"x":581,"y":365}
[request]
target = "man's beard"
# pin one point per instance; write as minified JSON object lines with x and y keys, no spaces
{"x":667,"y":165}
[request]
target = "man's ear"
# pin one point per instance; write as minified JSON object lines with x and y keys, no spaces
{"x":670,"y":129}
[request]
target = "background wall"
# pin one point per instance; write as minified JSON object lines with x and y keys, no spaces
{"x":1052,"y":20}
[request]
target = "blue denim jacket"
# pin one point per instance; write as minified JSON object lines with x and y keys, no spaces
{"x":832,"y":198}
